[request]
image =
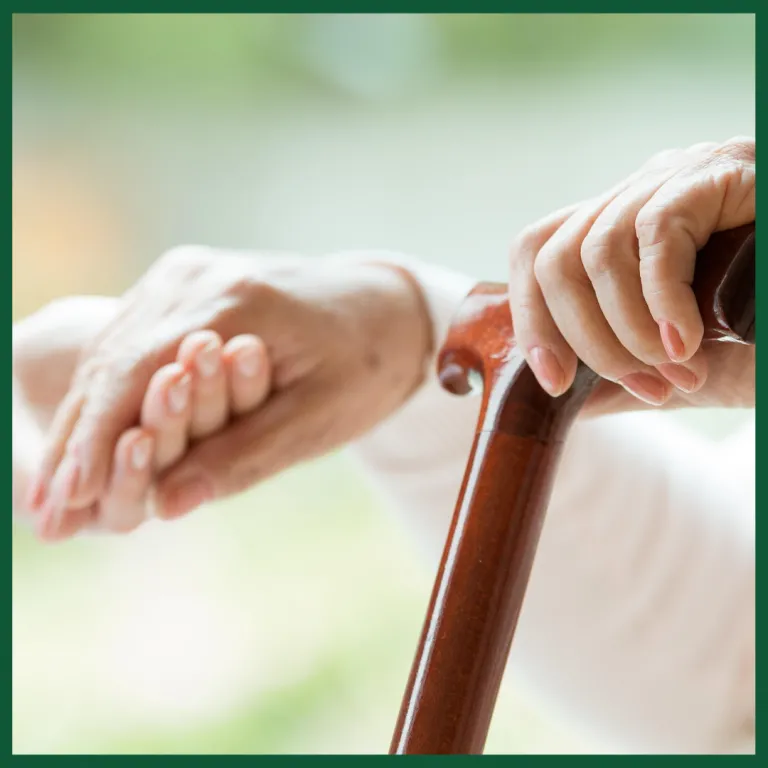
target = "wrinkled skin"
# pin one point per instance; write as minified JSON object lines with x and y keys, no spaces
{"x":608,"y":281}
{"x":347,"y":345}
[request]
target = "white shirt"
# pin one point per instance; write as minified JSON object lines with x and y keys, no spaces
{"x":639,"y":620}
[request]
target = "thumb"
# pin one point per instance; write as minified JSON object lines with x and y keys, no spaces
{"x":290,"y":427}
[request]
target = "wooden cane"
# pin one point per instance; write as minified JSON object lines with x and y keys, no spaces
{"x":487,"y":560}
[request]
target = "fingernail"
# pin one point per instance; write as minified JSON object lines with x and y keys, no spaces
{"x":673,"y":343}
{"x":547,"y":370}
{"x":648,"y":388}
{"x":247,"y":361}
{"x":208,"y":360}
{"x":62,"y":489}
{"x":683,"y":378}
{"x":178,"y":394}
{"x":48,"y":527}
{"x":184,"y":497}
{"x":35,"y":494}
{"x":140,"y":453}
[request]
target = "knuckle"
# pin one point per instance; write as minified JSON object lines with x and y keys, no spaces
{"x":599,"y":251}
{"x":599,"y":260}
{"x":526,"y":241}
{"x":652,"y":225}
{"x":548,"y":268}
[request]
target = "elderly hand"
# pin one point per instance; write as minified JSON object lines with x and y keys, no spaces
{"x":347,"y":345}
{"x":608,"y":281}
{"x":220,"y":381}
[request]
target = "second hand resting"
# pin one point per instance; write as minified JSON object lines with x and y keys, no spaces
{"x":186,"y":400}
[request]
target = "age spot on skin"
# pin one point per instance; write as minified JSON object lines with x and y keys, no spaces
{"x":372,"y":361}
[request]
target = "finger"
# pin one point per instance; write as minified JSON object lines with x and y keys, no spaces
{"x":123,"y":507}
{"x":689,"y":377}
{"x":294,"y":425}
{"x":64,"y":421}
{"x":55,"y":508}
{"x":248,"y":372}
{"x":36,"y":493}
{"x":536,"y":334}
{"x":545,"y":346}
{"x":715,"y":194}
{"x":166,"y":413}
{"x":200,"y":353}
{"x":113,"y":394}
{"x":574,"y":308}
{"x":609,"y":254}
{"x":75,"y":521}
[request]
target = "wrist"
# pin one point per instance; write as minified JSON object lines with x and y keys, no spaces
{"x":440,"y":290}
{"x":398,"y":322}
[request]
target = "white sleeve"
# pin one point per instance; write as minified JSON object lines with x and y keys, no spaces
{"x":638,"y":624}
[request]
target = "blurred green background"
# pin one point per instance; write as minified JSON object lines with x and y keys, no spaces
{"x":285,"y":620}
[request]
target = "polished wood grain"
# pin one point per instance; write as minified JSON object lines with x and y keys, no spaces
{"x":489,"y":553}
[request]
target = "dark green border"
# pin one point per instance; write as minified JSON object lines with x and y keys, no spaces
{"x":446,"y":6}
{"x":392,"y":6}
